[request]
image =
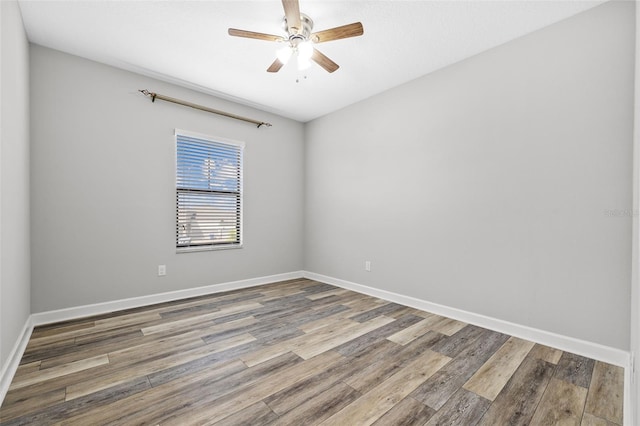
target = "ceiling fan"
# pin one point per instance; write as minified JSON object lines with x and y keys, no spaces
{"x":300,"y":40}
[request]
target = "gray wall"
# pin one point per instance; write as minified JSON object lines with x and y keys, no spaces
{"x":14,"y":178}
{"x":103,"y":186}
{"x":484,"y":186}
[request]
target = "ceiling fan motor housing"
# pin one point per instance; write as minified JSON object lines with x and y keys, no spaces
{"x":299,"y":34}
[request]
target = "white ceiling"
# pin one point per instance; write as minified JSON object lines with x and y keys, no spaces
{"x":186,"y":42}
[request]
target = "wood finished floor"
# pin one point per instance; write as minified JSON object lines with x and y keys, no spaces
{"x":299,"y":353}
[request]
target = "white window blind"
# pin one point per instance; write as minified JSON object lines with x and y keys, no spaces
{"x":208,"y":192}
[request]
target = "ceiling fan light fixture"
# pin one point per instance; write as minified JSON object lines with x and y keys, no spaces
{"x":303,"y":63}
{"x":305,"y":50}
{"x":284,"y":54}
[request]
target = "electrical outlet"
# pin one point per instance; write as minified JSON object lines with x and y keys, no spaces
{"x":162,"y":270}
{"x":367,"y":265}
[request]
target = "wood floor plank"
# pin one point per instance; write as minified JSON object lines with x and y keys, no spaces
{"x":312,"y":287}
{"x":186,"y":322}
{"x":210,"y":302}
{"x":546,"y":353}
{"x":68,"y":409}
{"x":312,"y":336}
{"x":267,"y":331}
{"x":318,"y":340}
{"x":319,"y":407}
{"x":261,"y":355}
{"x":27,"y":368}
{"x":562,"y":403}
{"x":87,"y":350}
{"x":426,"y":341}
{"x":256,"y":414}
{"x":217,"y":332}
{"x":331,"y":292}
{"x":138,"y":318}
{"x":283,"y":307}
{"x":333,"y":300}
{"x":233,"y":403}
{"x":101,"y":325}
{"x":41,"y":388}
{"x":333,"y":320}
{"x":409,"y":334}
{"x":363,"y":303}
{"x":52,"y":349}
{"x":276,"y":333}
{"x":375,"y":403}
{"x":449,"y":326}
{"x":605,"y":397}
{"x":60,"y":329}
{"x":278,"y":293}
{"x":379,"y":369}
{"x":182,"y":394}
{"x":307,"y":316}
{"x":463,"y":408}
{"x":456,"y":343}
{"x":489,"y":380}
{"x":207,"y":305}
{"x":379,"y":311}
{"x":407,"y":412}
{"x":190,"y":368}
{"x":517,"y":402}
{"x":308,"y":350}
{"x":144,"y":368}
{"x":299,"y":352}
{"x":62,"y":370}
{"x":292,"y":396}
{"x":118,"y":320}
{"x":373,"y":374}
{"x":302,"y":391}
{"x":438,"y":389}
{"x":203,"y":388}
{"x":361,"y":343}
{"x":27,"y":406}
{"x":591,"y":420}
{"x":149,"y":348}
{"x":575,"y":369}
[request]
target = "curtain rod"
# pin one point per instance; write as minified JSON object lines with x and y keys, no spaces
{"x":155,"y":96}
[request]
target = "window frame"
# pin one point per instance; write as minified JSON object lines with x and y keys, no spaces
{"x":218,"y":140}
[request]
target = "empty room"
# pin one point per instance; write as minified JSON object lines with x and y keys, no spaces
{"x":302,"y":212}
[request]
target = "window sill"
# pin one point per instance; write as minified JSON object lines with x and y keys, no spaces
{"x":208,"y":248}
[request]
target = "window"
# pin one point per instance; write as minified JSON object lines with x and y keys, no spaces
{"x":208,"y":192}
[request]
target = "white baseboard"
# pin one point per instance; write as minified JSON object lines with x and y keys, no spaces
{"x":629,"y":408}
{"x":581,"y":347}
{"x":136,"y":302}
{"x":11,"y":365}
{"x":9,"y":368}
{"x":569,"y":344}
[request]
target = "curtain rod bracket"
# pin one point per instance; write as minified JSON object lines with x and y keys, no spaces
{"x":155,"y":96}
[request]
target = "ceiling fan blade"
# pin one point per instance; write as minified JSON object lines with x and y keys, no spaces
{"x":250,"y":34}
{"x":323,"y":61}
{"x":275,"y":66}
{"x":345,"y":31}
{"x":292,"y":13}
